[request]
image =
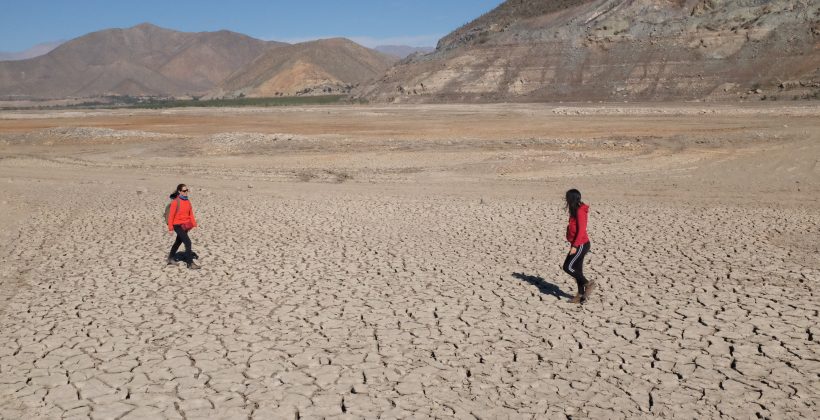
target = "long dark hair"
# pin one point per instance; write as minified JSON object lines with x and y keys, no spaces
{"x":573,"y":198}
{"x":175,"y":194}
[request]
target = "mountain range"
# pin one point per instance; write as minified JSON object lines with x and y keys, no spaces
{"x":146,"y":60}
{"x":523,"y":50}
{"x":614,"y":50}
{"x":142,"y":60}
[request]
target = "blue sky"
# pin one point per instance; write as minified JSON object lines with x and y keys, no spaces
{"x":25,"y":23}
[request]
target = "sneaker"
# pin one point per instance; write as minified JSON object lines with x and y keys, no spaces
{"x":576,"y":299}
{"x":590,"y":287}
{"x":171,"y":261}
{"x":194,"y":266}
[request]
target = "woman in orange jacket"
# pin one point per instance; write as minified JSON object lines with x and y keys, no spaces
{"x":579,"y":244}
{"x":180,"y":221}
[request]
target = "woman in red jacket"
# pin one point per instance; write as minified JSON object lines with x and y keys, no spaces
{"x":579,"y":244}
{"x":180,"y":221}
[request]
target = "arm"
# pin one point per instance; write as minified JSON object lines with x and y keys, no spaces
{"x":172,"y":214}
{"x":193,"y":219}
{"x":581,"y":220}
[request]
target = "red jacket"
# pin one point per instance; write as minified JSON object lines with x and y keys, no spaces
{"x":577,"y":228}
{"x":182,"y":215}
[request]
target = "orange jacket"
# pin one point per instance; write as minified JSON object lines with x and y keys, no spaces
{"x":181,"y":213}
{"x":577,"y":227}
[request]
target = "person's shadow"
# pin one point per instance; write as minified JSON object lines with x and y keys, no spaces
{"x":543,"y":286}
{"x":180,"y":256}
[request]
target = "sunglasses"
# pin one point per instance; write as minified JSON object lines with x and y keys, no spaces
{"x":183,"y":190}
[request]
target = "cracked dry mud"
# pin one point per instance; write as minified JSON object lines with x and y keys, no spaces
{"x":387,"y":301}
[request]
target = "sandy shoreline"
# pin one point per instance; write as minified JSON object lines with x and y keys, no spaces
{"x":366,"y":269}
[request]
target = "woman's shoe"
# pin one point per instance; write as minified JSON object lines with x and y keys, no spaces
{"x":590,"y":286}
{"x":576,"y":299}
{"x":193,"y":266}
{"x":171,"y":261}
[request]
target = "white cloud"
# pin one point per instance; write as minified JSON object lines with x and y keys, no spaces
{"x":370,"y":42}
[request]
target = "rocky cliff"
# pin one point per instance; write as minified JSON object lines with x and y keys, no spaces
{"x":588,"y":50}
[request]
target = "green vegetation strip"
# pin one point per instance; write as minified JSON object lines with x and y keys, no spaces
{"x":281,"y":101}
{"x":130,"y":102}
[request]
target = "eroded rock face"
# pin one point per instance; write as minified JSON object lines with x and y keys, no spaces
{"x":528,"y":50}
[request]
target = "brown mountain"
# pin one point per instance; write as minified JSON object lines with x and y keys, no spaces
{"x":142,"y":60}
{"x":316,"y":67}
{"x":551,"y":50}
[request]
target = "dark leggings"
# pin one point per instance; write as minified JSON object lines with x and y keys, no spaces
{"x":182,"y":238}
{"x":574,"y":266}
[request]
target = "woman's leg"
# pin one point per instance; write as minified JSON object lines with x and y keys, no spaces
{"x":578,"y":266}
{"x":182,"y":236}
{"x":589,"y":285}
{"x":574,"y":266}
{"x":175,"y":247}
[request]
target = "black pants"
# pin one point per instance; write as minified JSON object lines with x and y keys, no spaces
{"x":182,"y":238}
{"x":574,"y":266}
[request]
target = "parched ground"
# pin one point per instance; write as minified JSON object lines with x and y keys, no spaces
{"x":403,"y":262}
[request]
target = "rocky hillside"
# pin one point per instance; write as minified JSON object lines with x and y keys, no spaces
{"x":142,"y":60}
{"x":580,"y":50}
{"x":328,"y":66}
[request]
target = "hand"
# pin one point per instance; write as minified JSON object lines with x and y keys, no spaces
{"x":573,"y":250}
{"x":171,"y":233}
